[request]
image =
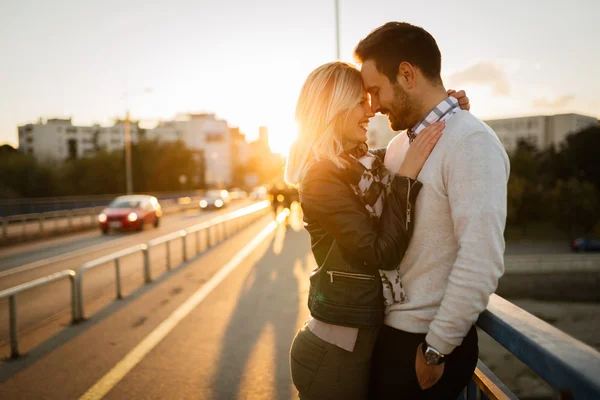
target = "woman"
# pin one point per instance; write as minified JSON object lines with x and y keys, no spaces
{"x":358,"y":215}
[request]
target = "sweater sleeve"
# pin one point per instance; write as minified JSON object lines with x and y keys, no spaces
{"x":327,"y":198}
{"x":476,"y":180}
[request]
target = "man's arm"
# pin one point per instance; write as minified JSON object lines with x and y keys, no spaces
{"x":477,"y":175}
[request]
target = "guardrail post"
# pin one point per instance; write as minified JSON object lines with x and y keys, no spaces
{"x":197,"y":233}
{"x":23,"y":221}
{"x":4,"y":227}
{"x":184,"y":246}
{"x":14,"y":334}
{"x":41,"y":222}
{"x":147,"y":275}
{"x":79,"y":297}
{"x":73,"y":299}
{"x":208,"y":242}
{"x":118,"y":279}
{"x":168,"y":254}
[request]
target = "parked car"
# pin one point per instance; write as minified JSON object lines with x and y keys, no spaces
{"x":585,"y":244}
{"x":214,"y":199}
{"x":130,"y":213}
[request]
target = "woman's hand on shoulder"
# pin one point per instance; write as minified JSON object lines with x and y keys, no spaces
{"x":461,"y":96}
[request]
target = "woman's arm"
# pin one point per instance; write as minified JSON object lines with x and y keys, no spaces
{"x":326,"y":197}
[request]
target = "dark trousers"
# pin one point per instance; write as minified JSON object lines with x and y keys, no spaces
{"x":393,"y":374}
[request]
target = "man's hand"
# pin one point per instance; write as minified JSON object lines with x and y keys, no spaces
{"x":427,"y":375}
{"x":461,"y":96}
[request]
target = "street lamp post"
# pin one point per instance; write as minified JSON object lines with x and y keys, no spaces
{"x":127,"y":126}
{"x":128,"y":172}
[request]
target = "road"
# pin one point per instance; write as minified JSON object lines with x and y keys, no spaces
{"x":50,"y":305}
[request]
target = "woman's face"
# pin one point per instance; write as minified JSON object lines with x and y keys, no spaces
{"x":354,"y":129}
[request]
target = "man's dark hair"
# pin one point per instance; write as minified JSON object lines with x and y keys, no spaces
{"x":397,"y":42}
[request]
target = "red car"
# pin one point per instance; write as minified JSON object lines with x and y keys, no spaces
{"x":129,"y":213}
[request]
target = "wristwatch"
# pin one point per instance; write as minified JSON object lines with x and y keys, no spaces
{"x":432,"y":356}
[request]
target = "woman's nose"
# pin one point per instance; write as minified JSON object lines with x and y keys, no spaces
{"x":374,"y":106}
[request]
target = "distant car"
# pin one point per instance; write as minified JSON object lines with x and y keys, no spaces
{"x":237,"y":193}
{"x":259,"y":193}
{"x":130,"y":213}
{"x":585,"y":244}
{"x":214,"y":199}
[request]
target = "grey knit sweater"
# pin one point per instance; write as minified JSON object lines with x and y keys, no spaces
{"x":456,"y":255}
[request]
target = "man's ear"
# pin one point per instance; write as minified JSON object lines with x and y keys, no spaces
{"x":406,"y":75}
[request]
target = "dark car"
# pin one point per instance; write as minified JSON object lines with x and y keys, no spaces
{"x":585,"y":244}
{"x":214,"y":199}
{"x":130,"y":213}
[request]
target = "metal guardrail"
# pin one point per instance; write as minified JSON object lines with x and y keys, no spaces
{"x":87,"y":218}
{"x":79,"y":315}
{"x":237,"y":220}
{"x":248,"y":213}
{"x":571,"y":367}
{"x":42,"y":219}
{"x":11,"y":293}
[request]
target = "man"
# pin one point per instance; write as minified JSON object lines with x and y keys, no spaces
{"x":428,"y":348}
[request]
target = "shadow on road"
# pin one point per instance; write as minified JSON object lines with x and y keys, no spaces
{"x":268,"y":306}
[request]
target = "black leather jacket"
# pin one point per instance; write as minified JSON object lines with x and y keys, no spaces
{"x":350,"y":246}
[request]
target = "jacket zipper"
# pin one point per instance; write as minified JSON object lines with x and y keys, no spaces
{"x":408,"y":205}
{"x":350,"y":275}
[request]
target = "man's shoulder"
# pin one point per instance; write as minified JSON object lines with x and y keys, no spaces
{"x":465,"y":123}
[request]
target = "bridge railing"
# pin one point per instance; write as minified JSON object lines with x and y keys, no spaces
{"x":571,"y":367}
{"x":224,"y":224}
{"x":12,"y":293}
{"x":222,"y":227}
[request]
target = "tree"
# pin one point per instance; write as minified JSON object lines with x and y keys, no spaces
{"x":23,"y":176}
{"x":524,"y":190}
{"x":575,"y":208}
{"x":580,"y":152}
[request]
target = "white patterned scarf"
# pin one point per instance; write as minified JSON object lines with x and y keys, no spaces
{"x":372,"y":184}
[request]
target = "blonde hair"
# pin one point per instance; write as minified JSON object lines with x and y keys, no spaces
{"x":327,"y":97}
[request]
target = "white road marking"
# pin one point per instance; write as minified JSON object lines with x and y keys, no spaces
{"x":122,"y":368}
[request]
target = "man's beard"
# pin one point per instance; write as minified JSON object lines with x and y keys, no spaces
{"x":401,"y":113}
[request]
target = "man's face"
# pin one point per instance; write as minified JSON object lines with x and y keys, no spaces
{"x":388,"y":98}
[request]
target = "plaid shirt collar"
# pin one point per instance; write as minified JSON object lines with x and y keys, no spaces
{"x":442,"y":112}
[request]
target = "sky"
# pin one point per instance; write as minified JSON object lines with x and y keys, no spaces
{"x":246,"y":61}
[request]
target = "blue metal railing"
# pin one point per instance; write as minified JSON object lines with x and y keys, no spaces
{"x":571,"y":367}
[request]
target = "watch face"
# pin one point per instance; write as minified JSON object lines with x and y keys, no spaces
{"x":431,"y":357}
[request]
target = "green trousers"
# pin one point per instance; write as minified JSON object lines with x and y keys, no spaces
{"x":321,"y":370}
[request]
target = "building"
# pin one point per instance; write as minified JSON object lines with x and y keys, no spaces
{"x":208,"y":136}
{"x":59,"y":140}
{"x":540,"y":130}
